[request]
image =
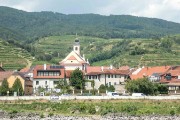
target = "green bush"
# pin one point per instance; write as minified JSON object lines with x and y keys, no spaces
{"x":172,"y":112}
{"x":92,"y":110}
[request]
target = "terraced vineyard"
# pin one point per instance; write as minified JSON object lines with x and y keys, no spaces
{"x":91,"y":46}
{"x":13,"y":58}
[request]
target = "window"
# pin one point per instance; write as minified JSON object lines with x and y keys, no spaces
{"x":45,"y":82}
{"x":76,"y":48}
{"x":109,"y":83}
{"x":115,"y":76}
{"x":111,"y":76}
{"x":89,"y":77}
{"x":48,"y":73}
{"x":56,"y":82}
{"x":114,"y":83}
{"x":108,"y":76}
{"x":168,"y":76}
{"x":37,"y":82}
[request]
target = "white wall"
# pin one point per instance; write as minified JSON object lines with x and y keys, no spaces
{"x":98,"y":82}
{"x":50,"y":83}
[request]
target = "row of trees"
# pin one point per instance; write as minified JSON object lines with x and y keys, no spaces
{"x":142,"y":85}
{"x":145,"y":86}
{"x":17,"y":87}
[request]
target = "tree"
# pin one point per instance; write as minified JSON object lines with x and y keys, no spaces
{"x":4,"y":87}
{"x":142,"y":85}
{"x":166,"y":44}
{"x":77,"y":79}
{"x":103,"y":88}
{"x":17,"y":87}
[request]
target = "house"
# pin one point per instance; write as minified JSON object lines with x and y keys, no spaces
{"x":171,"y":78}
{"x":28,"y":71}
{"x":74,"y":59}
{"x":4,"y":75}
{"x":47,"y":76}
{"x":25,"y":81}
{"x":105,"y":75}
{"x":152,"y":73}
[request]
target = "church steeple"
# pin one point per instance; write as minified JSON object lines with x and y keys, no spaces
{"x":76,"y":46}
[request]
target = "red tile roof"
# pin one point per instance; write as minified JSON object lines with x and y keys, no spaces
{"x":48,"y":68}
{"x":174,"y":72}
{"x":5,"y":75}
{"x":94,"y":70}
{"x":124,"y":68}
{"x":148,"y":71}
{"x":24,"y":70}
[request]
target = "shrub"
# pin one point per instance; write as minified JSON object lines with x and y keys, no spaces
{"x":172,"y":112}
{"x":92,"y":110}
{"x":50,"y":114}
{"x":42,"y":115}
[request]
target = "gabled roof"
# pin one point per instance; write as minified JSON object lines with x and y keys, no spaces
{"x":174,"y":72}
{"x":21,"y":74}
{"x":5,"y":75}
{"x":124,"y":68}
{"x":148,"y":71}
{"x":48,"y":68}
{"x":95,"y":70}
{"x":73,"y":56}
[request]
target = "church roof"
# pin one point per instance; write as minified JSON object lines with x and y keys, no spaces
{"x":73,"y":56}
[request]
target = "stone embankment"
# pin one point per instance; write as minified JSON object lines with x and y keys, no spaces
{"x":33,"y":116}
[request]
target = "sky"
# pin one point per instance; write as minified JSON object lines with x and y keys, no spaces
{"x":163,"y":9}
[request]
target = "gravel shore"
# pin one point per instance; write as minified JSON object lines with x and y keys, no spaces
{"x":33,"y":116}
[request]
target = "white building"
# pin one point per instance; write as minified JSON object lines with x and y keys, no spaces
{"x":47,"y":77}
{"x":105,"y":75}
{"x":74,"y":59}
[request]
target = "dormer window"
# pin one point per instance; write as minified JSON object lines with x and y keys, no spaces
{"x":168,"y":76}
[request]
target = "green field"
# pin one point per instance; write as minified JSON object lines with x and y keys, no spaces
{"x":97,"y":107}
{"x":12,"y":57}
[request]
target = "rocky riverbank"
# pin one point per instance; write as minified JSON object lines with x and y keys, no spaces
{"x":34,"y":116}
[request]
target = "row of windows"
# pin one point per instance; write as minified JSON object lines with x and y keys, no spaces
{"x":48,"y":73}
{"x":93,"y":77}
{"x":54,"y":82}
{"x":108,"y":76}
{"x":112,"y":76}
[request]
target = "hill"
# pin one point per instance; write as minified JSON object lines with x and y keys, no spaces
{"x":40,"y":24}
{"x":13,"y":57}
{"x":99,"y":51}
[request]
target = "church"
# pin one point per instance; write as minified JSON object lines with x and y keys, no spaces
{"x":74,"y":59}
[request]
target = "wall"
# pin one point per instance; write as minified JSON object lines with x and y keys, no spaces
{"x":50,"y":83}
{"x":88,"y":97}
{"x":12,"y":79}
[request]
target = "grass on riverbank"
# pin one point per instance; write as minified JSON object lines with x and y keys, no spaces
{"x":101,"y":107}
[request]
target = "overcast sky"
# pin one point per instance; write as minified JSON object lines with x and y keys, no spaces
{"x":164,"y":9}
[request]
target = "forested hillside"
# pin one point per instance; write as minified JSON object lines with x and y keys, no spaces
{"x":115,"y":39}
{"x":38,"y":24}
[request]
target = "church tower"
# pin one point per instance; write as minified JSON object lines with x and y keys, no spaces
{"x":76,"y":47}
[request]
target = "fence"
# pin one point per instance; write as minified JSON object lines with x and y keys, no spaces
{"x":88,"y":97}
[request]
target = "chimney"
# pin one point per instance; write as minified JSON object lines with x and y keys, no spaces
{"x":102,"y":68}
{"x":44,"y":66}
{"x":83,"y":57}
{"x":87,"y":61}
{"x":111,"y":67}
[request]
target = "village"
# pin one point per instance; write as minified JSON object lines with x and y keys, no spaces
{"x":44,"y":79}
